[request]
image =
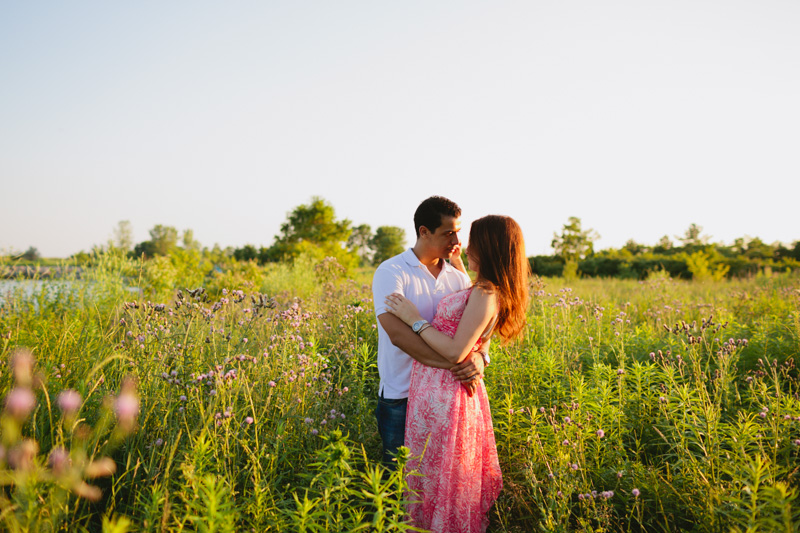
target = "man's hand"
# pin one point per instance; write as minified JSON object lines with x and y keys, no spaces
{"x":469,"y":369}
{"x":471,"y":387}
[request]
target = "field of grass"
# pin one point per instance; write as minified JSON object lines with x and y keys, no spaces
{"x":247,"y":404}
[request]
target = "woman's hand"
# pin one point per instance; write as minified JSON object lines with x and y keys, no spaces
{"x":402,"y":308}
{"x":456,"y":261}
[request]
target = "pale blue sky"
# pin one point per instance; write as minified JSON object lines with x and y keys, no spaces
{"x":639,"y":117}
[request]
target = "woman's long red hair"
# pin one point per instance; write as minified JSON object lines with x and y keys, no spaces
{"x":496,"y":243}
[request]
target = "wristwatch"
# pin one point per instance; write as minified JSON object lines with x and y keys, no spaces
{"x":486,"y":359}
{"x":419,"y":325}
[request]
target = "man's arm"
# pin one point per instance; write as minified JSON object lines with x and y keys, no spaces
{"x":408,"y":341}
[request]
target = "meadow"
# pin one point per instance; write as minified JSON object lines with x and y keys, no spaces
{"x":242,"y":399}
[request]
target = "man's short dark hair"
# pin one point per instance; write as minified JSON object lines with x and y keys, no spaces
{"x":430,"y":213}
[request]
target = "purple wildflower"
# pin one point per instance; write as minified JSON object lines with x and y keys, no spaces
{"x":20,"y":402}
{"x":69,"y":401}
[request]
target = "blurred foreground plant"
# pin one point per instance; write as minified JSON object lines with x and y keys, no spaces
{"x":38,"y":486}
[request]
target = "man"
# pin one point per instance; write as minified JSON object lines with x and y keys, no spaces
{"x":423,"y":275}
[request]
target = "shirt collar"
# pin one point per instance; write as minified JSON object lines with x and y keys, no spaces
{"x":411,"y":258}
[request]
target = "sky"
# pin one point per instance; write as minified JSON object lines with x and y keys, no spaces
{"x":640,"y":117}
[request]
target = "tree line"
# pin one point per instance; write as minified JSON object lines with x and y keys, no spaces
{"x":693,"y":256}
{"x":310,"y":229}
{"x":313,"y":230}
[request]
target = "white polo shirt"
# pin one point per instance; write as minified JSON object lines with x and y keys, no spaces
{"x":405,"y":274}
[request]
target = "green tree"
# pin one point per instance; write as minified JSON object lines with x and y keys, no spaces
{"x":31,"y":254}
{"x":387,"y":242}
{"x":189,"y":242}
{"x":663,"y":246}
{"x":795,"y":253}
{"x":162,"y":240}
{"x":574,"y":243}
{"x":360,"y":243}
{"x":692,"y":237}
{"x":758,"y":249}
{"x":312,"y":229}
{"x":123,"y":236}
{"x":247,"y":253}
{"x":315,"y":223}
{"x":634,"y":247}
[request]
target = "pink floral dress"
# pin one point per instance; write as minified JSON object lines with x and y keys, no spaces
{"x":459,"y":473}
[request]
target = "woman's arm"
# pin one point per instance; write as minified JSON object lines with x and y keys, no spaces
{"x":480,"y":309}
{"x":457,"y":262}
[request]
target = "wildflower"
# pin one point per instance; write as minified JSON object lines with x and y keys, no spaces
{"x":309,"y":420}
{"x":59,"y":461}
{"x":126,"y":406}
{"x":159,"y":442}
{"x":581,"y":497}
{"x":248,"y":420}
{"x":22,"y":456}
{"x":619,"y":474}
{"x":559,"y":494}
{"x":620,"y":371}
{"x":69,"y":401}
{"x":20,"y":402}
{"x":271,"y":383}
{"x":565,"y":443}
{"x":567,"y":420}
{"x":314,"y":431}
{"x":102,"y":467}
{"x":574,"y":466}
{"x":182,"y":398}
{"x":22,"y":366}
{"x":635,"y":493}
{"x":601,"y":433}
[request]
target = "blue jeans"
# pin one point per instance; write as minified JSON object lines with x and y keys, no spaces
{"x":391,"y":415}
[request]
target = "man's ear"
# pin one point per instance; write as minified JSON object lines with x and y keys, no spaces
{"x":424,"y":231}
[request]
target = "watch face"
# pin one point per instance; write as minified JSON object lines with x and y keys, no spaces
{"x":417,"y":325}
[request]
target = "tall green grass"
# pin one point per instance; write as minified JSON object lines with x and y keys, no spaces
{"x":628,"y":406}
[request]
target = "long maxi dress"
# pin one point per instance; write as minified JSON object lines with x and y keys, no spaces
{"x":459,"y":471}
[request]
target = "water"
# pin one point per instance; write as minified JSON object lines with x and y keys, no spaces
{"x":28,"y":289}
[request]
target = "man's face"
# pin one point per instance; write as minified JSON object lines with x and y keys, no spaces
{"x":445,"y":239}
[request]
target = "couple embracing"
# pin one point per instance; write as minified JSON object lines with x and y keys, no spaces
{"x":434,"y":326}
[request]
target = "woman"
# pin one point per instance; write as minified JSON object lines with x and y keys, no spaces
{"x":447,"y":427}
